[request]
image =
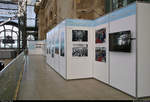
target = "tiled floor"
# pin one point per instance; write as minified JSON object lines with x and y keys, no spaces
{"x":40,"y":82}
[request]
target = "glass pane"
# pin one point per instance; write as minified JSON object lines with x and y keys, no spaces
{"x":125,"y":2}
{"x":15,"y":44}
{"x":30,"y":16}
{"x":8,"y":33}
{"x":114,"y":4}
{"x":1,"y":45}
{"x":14,"y":36}
{"x":20,"y":44}
{"x":15,"y":29}
{"x":8,"y":45}
{"x":119,"y":3}
{"x":1,"y":28}
{"x":30,"y":37}
{"x":8,"y":26}
{"x":2,"y":35}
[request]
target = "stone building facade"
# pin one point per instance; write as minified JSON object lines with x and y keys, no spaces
{"x":52,"y":12}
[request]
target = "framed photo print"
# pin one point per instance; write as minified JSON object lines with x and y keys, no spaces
{"x":80,"y":35}
{"x":80,"y":50}
{"x":100,"y":36}
{"x":100,"y":54}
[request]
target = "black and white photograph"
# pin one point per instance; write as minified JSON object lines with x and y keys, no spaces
{"x":62,"y":49}
{"x":53,"y":52}
{"x":80,"y":35}
{"x":80,"y":50}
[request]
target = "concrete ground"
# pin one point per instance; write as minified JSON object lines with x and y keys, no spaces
{"x":40,"y":82}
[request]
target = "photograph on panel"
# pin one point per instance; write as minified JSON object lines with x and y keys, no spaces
{"x":80,"y":35}
{"x":52,"y":52}
{"x":62,"y":51}
{"x":80,"y":50}
{"x":56,"y":49}
{"x":100,"y":54}
{"x":100,"y":36}
{"x":49,"y":50}
{"x":50,"y":47}
{"x":120,"y":41}
{"x":57,"y":46}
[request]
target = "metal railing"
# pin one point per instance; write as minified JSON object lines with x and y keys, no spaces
{"x":9,"y":77}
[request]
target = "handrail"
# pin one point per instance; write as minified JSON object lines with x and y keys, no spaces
{"x":9,"y":77}
{"x":6,"y":67}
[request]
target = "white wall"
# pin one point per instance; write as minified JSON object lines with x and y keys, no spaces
{"x":57,"y":62}
{"x":63,"y":69}
{"x":79,"y":67}
{"x":56,"y":56}
{"x":120,"y":69}
{"x":36,"y":47}
{"x":46,"y":44}
{"x":123,"y":65}
{"x":50,"y":45}
{"x":49,"y":48}
{"x":143,"y":49}
{"x":101,"y":69}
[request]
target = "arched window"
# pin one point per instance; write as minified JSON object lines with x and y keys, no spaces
{"x":30,"y":38}
{"x":9,"y":37}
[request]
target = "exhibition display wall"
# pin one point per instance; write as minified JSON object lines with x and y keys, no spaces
{"x":122,"y":47}
{"x":56,"y":49}
{"x":68,"y":47}
{"x":36,"y":47}
{"x":100,"y":49}
{"x":113,"y":49}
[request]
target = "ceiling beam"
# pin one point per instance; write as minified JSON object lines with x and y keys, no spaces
{"x":8,"y":9}
{"x":8,"y":2}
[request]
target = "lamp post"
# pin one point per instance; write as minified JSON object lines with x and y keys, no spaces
{"x":22,"y":16}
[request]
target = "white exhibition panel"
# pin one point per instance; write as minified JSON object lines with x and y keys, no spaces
{"x":47,"y":49}
{"x":123,"y":64}
{"x":101,"y":69}
{"x":44,"y":48}
{"x":49,"y":42}
{"x":79,"y":67}
{"x":52,"y":49}
{"x":63,"y":69}
{"x":47,"y":55}
{"x":55,"y":45}
{"x":143,"y":37}
{"x":36,"y":47}
{"x":126,"y":71}
{"x":56,"y":55}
